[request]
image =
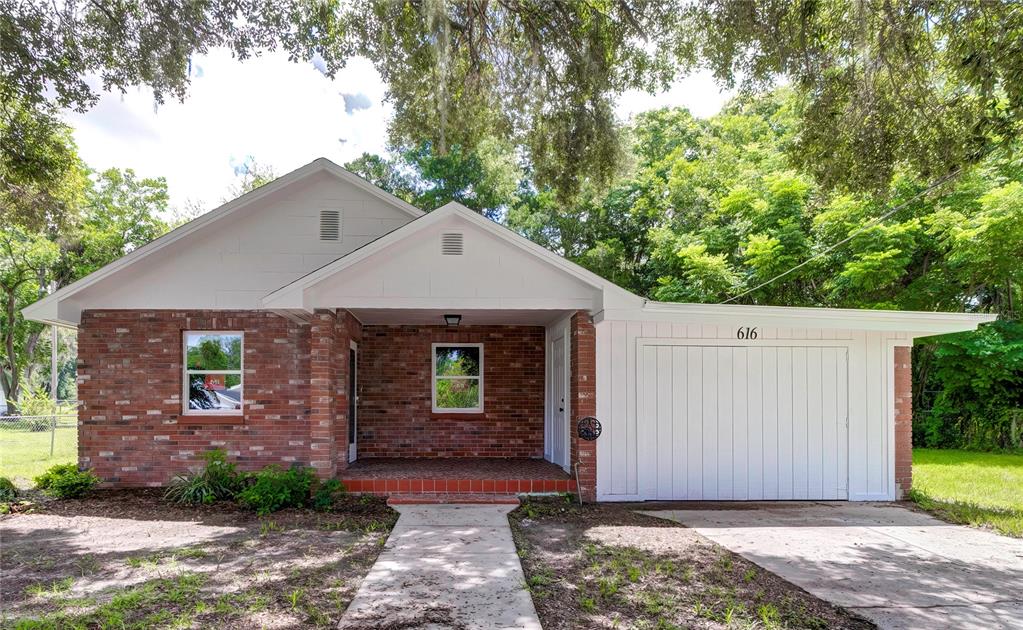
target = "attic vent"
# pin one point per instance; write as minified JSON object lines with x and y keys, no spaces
{"x":451,"y":244}
{"x":330,"y":225}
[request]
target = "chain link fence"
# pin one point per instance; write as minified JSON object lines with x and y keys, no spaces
{"x":31,"y":444}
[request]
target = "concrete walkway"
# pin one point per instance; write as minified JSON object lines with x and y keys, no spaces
{"x":897,"y":567}
{"x":446,"y":566}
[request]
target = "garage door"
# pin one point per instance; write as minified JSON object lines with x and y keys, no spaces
{"x":742,"y":422}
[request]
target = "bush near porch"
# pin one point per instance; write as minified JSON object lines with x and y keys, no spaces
{"x":973,"y":488}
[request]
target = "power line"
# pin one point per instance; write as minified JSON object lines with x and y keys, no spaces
{"x":859,"y":230}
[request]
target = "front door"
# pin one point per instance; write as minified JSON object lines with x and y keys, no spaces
{"x":559,"y":406}
{"x":353,"y":398}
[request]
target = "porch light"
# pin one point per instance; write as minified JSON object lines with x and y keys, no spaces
{"x":452,"y":319}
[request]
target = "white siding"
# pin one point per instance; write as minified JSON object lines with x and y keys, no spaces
{"x":237,"y":260}
{"x":490,"y":273}
{"x":627,"y":457}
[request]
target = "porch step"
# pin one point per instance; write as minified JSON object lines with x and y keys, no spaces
{"x":458,"y":486}
{"x":433,"y":498}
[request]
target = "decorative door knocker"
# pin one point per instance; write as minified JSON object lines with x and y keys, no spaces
{"x":589,"y":428}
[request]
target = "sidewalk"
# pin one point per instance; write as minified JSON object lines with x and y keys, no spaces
{"x":446,"y":566}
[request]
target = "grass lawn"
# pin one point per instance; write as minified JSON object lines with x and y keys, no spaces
{"x":26,"y":454}
{"x":128,"y":559}
{"x":979,"y":489}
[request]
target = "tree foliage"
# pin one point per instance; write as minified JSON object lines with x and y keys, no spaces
{"x":710,"y":209}
{"x":57,"y":231}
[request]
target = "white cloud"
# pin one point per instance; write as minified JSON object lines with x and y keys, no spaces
{"x":698,"y":92}
{"x":280,"y":113}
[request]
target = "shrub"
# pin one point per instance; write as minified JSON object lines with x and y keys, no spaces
{"x":38,"y":410}
{"x":272,"y":489}
{"x":323,"y":497}
{"x":8,"y":491}
{"x":217,"y":481}
{"x":65,"y":481}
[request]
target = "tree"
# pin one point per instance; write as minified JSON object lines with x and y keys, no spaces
{"x":25,"y":259}
{"x":486,"y":180}
{"x":41,"y":177}
{"x":251,"y":175}
{"x":928,"y":84}
{"x":537,"y":75}
{"x":117,"y":213}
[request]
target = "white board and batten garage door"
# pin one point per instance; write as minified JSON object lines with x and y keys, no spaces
{"x":735,"y":421}
{"x":693,"y":410}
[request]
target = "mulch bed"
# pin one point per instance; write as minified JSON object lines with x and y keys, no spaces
{"x":605,"y":566}
{"x":349,"y":511}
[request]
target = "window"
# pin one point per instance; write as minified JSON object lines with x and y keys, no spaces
{"x":213,"y":372}
{"x":458,"y":377}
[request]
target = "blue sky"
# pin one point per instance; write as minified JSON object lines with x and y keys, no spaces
{"x":280,"y":113}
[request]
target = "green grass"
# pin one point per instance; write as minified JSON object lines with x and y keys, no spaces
{"x":26,"y":454}
{"x":979,"y":489}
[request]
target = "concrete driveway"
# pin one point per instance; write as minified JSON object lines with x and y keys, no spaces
{"x":897,"y":567}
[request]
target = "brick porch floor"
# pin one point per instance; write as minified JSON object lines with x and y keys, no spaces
{"x":512,"y":476}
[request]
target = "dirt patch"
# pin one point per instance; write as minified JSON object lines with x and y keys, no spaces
{"x":127,"y":559}
{"x":605,"y":566}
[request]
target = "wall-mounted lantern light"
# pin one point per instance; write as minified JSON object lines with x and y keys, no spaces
{"x":452,"y":319}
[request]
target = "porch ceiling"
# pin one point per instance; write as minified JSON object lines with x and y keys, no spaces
{"x":471,"y":317}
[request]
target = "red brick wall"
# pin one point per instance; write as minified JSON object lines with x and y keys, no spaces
{"x":395,"y":389}
{"x":583,"y":384}
{"x":132,"y":431}
{"x":903,"y":421}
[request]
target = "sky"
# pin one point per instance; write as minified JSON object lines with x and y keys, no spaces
{"x":278,"y":113}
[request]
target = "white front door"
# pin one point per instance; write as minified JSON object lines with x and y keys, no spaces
{"x":353,"y":400}
{"x":559,"y":403}
{"x":742,"y":423}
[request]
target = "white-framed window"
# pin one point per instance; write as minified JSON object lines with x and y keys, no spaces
{"x":457,"y":377}
{"x":213,"y":372}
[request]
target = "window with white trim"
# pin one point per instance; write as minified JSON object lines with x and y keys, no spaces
{"x":458,"y":377}
{"x":213,"y":372}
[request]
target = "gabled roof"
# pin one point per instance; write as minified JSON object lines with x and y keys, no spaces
{"x":39,"y":311}
{"x":290,"y":296}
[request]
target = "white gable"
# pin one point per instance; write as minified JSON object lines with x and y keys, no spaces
{"x":234,"y":256}
{"x":489,"y":273}
{"x":452,"y":259}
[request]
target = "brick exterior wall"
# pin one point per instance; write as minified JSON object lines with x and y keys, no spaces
{"x":583,"y":388}
{"x":131,"y":427}
{"x":133,"y":432}
{"x":903,"y":421}
{"x":395,"y":389}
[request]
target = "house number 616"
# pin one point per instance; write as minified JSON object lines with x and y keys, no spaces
{"x":745,"y":332}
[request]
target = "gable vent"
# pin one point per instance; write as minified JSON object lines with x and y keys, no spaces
{"x":451,"y":244}
{"x":330,"y":225}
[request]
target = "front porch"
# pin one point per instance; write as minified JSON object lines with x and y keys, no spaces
{"x":441,"y":476}
{"x":412,"y":405}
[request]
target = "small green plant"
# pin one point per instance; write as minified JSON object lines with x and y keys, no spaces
{"x":326,"y":492}
{"x":38,"y":409}
{"x":55,"y":587}
{"x":588,"y":604}
{"x":8,"y":491}
{"x":268,"y":527}
{"x":295,"y":596}
{"x":273,"y":489}
{"x":217,"y":481}
{"x":65,"y":481}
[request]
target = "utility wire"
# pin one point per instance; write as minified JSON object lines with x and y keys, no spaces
{"x":937,"y":183}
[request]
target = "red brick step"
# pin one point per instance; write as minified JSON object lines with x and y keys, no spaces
{"x":445,"y":498}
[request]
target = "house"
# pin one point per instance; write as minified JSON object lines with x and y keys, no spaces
{"x":321,"y":321}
